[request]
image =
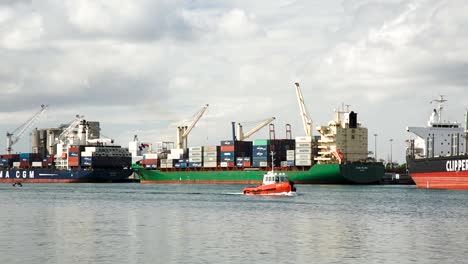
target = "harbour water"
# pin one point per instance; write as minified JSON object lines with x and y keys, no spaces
{"x":133,"y":223}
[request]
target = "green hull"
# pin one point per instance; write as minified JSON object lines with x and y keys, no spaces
{"x":353,"y":173}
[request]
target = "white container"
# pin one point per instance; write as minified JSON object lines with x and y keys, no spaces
{"x":290,"y":152}
{"x":86,"y":154}
{"x":16,"y":164}
{"x":263,"y":164}
{"x":304,"y":151}
{"x":195,"y":154}
{"x":37,"y":164}
{"x":178,"y":151}
{"x":210,"y":159}
{"x":303,"y":157}
{"x":303,"y":139}
{"x":210,"y":154}
{"x":195,"y":159}
{"x":169,"y":165}
{"x":90,"y":149}
{"x":223,"y":164}
{"x":303,"y":145}
{"x":284,"y":164}
{"x":210,"y":164}
{"x":196,"y":149}
{"x":303,"y":162}
{"x":150,"y":156}
{"x":290,"y":157}
{"x":163,"y":166}
{"x":174,"y":156}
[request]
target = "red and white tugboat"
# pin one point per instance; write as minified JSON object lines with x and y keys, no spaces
{"x":273,"y":184}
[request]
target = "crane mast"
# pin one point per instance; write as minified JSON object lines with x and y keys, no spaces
{"x":184,"y":131}
{"x":306,"y":120}
{"x":243,"y":136}
{"x":15,"y":136}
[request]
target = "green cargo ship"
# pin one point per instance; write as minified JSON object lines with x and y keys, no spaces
{"x":338,"y":156}
{"x":351,"y":173}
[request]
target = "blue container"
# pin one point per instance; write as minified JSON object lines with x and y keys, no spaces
{"x":25,"y":155}
{"x":177,"y":165}
{"x":74,"y":154}
{"x":183,"y":164}
{"x":86,"y":161}
{"x":239,"y":159}
{"x":261,"y":148}
{"x":262,"y":154}
{"x":290,"y":163}
{"x":195,"y":164}
{"x":228,"y":157}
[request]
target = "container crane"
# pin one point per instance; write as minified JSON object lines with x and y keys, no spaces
{"x":184,"y":131}
{"x":15,"y":136}
{"x":243,"y":135}
{"x":306,"y":120}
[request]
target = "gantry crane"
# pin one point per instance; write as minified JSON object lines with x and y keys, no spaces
{"x":184,"y":131}
{"x":242,"y":135}
{"x":306,"y":120}
{"x":15,"y":136}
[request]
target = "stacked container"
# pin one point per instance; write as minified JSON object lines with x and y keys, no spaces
{"x":8,"y":159}
{"x":303,"y":151}
{"x":105,"y":157}
{"x":74,"y":156}
{"x":195,"y":157}
{"x":261,"y":156}
{"x":227,"y":154}
{"x":210,"y":156}
{"x":167,"y":163}
{"x":181,"y":163}
{"x":26,"y":159}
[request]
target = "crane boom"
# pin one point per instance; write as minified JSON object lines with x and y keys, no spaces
{"x":243,"y":135}
{"x":184,"y":131}
{"x":15,"y":136}
{"x":70,"y":127}
{"x":306,"y":120}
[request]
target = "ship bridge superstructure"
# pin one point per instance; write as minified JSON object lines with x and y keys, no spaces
{"x":439,"y":137}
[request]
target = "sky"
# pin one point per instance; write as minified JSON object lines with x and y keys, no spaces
{"x":147,"y":66}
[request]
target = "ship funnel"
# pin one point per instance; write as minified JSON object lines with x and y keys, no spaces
{"x":352,"y":120}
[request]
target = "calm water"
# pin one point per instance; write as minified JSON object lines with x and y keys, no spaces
{"x":132,"y":223}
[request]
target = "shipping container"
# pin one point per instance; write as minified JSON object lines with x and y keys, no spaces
{"x":227,"y":143}
{"x":303,"y":145}
{"x":210,"y":148}
{"x":210,"y":159}
{"x":196,"y":149}
{"x":195,"y":164}
{"x":261,"y":142}
{"x":303,"y":162}
{"x":195,"y":154}
{"x":195,"y":159}
{"x":227,"y":148}
{"x":210,"y":164}
{"x":210,"y":154}
{"x":303,"y":139}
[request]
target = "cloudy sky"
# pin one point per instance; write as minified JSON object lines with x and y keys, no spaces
{"x":144,"y":67}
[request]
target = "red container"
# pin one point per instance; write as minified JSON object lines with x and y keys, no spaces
{"x":149,"y":161}
{"x":227,"y":148}
{"x":24,"y":164}
{"x":231,"y":164}
{"x":247,"y":164}
{"x":74,"y":149}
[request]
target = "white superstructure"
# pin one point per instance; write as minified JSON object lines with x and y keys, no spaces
{"x":439,"y":137}
{"x":344,"y":139}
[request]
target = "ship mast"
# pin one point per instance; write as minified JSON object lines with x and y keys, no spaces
{"x":440,"y":107}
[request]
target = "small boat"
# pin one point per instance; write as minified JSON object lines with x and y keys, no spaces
{"x":273,"y":184}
